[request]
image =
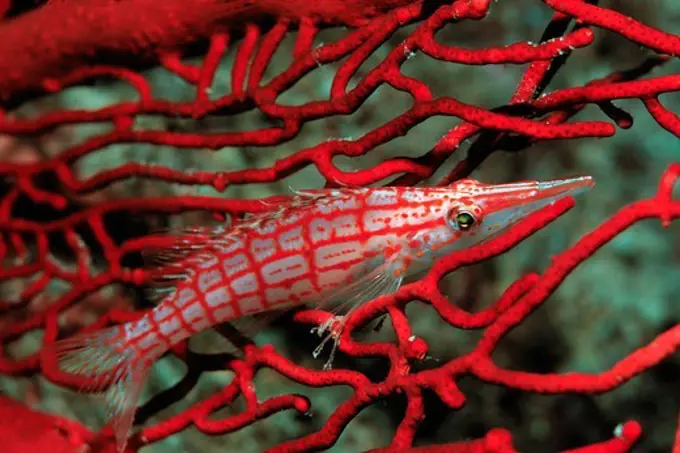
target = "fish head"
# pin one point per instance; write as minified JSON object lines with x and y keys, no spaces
{"x":479,"y":211}
{"x":472,"y":212}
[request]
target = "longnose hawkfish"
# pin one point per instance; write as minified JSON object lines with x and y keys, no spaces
{"x":335,"y":248}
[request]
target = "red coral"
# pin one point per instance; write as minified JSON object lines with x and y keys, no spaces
{"x":24,"y":429}
{"x":67,"y":43}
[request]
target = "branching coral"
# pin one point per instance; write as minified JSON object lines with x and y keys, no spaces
{"x":105,"y":39}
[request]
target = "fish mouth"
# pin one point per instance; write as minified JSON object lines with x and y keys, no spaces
{"x":515,"y":200}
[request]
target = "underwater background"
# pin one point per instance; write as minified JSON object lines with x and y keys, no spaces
{"x":618,"y":300}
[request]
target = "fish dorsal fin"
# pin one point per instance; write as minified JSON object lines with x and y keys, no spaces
{"x":302,"y":198}
{"x":176,"y":251}
{"x":316,"y":194}
{"x":175,"y":244}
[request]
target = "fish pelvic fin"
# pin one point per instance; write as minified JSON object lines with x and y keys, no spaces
{"x":113,"y":368}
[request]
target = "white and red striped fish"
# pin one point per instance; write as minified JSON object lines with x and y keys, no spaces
{"x":333,"y":248}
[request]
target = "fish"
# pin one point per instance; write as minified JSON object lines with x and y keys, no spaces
{"x":328,"y":248}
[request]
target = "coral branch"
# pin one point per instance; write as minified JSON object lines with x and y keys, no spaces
{"x":61,"y":32}
{"x":72,"y":231}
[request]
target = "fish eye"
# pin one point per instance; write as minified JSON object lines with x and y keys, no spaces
{"x":463,"y":220}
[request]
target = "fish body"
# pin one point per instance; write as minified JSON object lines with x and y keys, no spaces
{"x":332,"y":248}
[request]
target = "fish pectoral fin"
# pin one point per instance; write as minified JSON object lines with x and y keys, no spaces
{"x":384,"y":279}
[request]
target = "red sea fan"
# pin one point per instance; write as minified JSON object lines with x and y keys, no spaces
{"x":67,"y":266}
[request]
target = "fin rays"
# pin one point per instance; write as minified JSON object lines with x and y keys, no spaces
{"x":112,"y":369}
{"x":382,"y":280}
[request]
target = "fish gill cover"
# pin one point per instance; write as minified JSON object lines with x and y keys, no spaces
{"x":122,"y":117}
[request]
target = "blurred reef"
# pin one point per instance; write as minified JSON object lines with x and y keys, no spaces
{"x":623,"y":296}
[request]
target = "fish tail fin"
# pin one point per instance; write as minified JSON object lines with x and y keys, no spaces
{"x":112,"y":367}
